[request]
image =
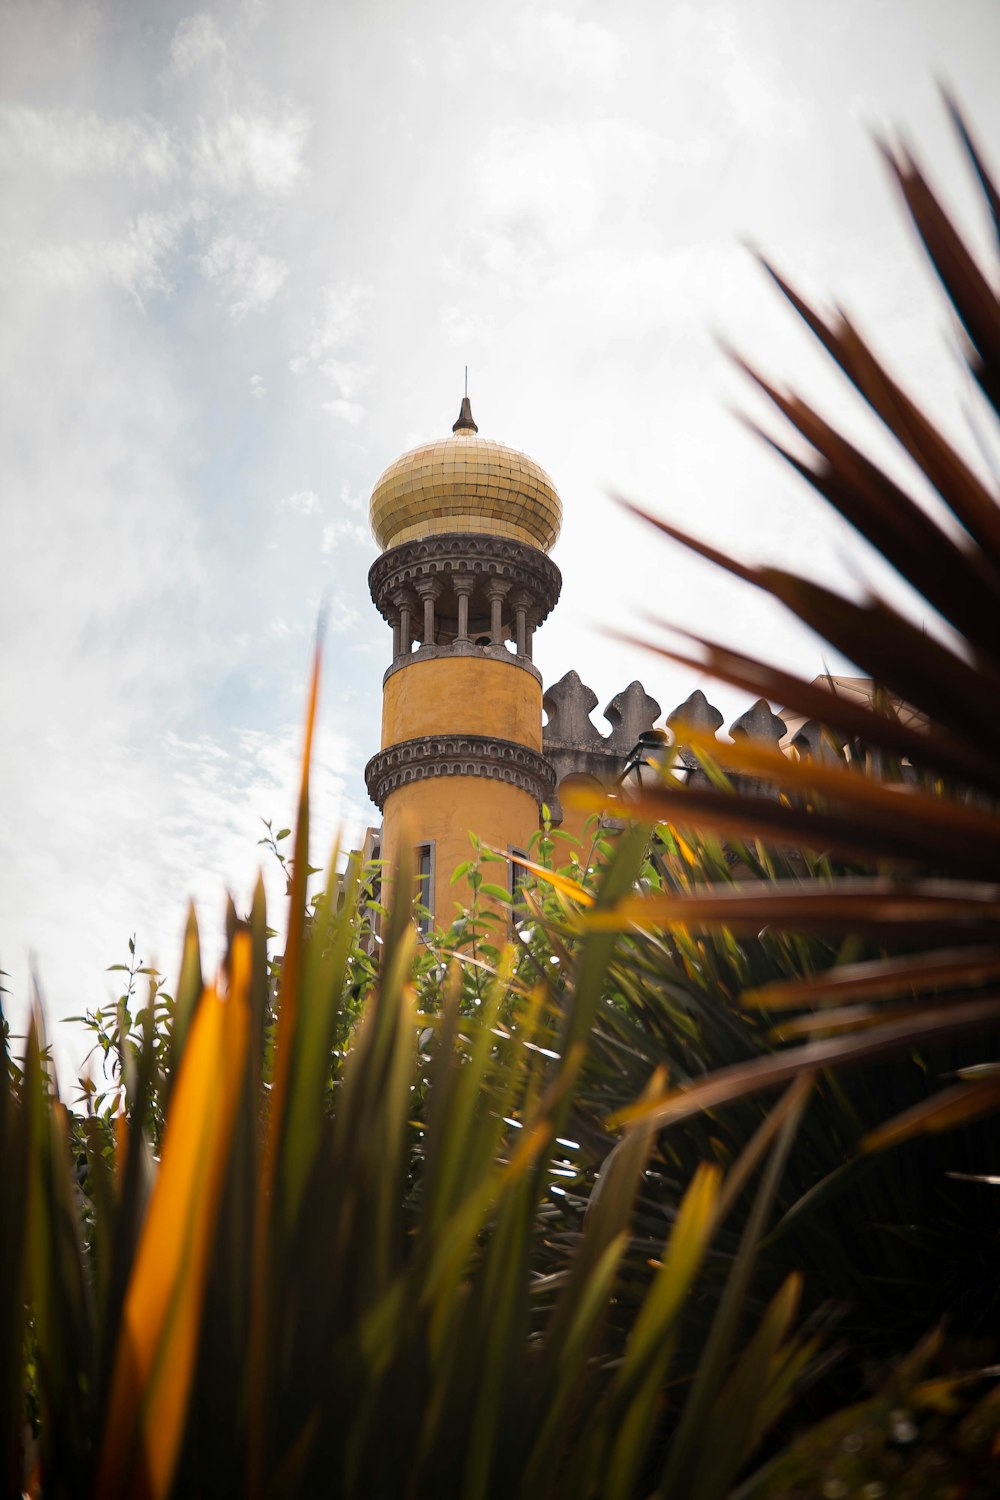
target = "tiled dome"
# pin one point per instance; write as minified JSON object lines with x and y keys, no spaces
{"x":465,"y":483}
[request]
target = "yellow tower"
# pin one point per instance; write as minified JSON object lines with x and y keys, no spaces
{"x":465,"y":525}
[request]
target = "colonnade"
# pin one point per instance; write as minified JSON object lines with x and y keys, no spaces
{"x":474,"y":614}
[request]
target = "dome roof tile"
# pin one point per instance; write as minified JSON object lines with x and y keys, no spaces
{"x":465,"y":483}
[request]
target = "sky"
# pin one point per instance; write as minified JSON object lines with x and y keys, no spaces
{"x":246,"y":253}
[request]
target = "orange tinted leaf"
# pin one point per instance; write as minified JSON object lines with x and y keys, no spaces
{"x":288,"y":1009}
{"x":862,"y":905}
{"x":951,"y":1107}
{"x":847,"y":785}
{"x":743,"y":1079}
{"x":929,"y":746}
{"x":880,"y":978}
{"x":871,"y":819}
{"x":121,"y":1146}
{"x":162,"y":1310}
{"x":291,"y":977}
{"x":834,"y":1022}
{"x":558,"y":882}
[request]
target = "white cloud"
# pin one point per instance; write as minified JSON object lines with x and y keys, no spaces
{"x":246,"y":152}
{"x":137,"y":261}
{"x":548,"y":49}
{"x":345,"y":530}
{"x":281,"y":630}
{"x":257,"y":387}
{"x":341,"y":323}
{"x":466,"y":326}
{"x":350,"y":412}
{"x":306,"y":502}
{"x":550,"y":186}
{"x":345,"y":376}
{"x":70,"y":143}
{"x":243,"y":272}
{"x":341,"y":618}
{"x":196,"y":42}
{"x":345,"y":305}
{"x":761,"y":98}
{"x":559,"y":48}
{"x":352,"y":500}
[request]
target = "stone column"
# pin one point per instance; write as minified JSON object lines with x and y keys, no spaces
{"x":496,"y":593}
{"x":429,"y":590}
{"x":405,"y":603}
{"x":532,"y":622}
{"x":521,"y":602}
{"x":463,"y":584}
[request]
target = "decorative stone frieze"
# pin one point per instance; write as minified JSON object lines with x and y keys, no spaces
{"x":464,"y":649}
{"x":458,"y":755}
{"x":455,"y":557}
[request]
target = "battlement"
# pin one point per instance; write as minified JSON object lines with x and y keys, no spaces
{"x":575,"y":747}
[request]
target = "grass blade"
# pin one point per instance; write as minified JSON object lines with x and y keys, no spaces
{"x":159,"y":1333}
{"x":744,"y":1079}
{"x":685,"y":1451}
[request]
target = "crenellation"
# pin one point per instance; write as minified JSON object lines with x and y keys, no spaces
{"x":630,"y":713}
{"x":694,"y":716}
{"x":568,"y":704}
{"x":817,"y":741}
{"x":575,"y":747}
{"x":759,"y":724}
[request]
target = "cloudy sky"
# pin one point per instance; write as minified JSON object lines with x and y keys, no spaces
{"x":246,"y":252}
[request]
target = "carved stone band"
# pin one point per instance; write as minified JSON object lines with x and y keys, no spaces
{"x":458,"y":755}
{"x":462,"y":556}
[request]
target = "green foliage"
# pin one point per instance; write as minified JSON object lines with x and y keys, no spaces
{"x":892,"y":1241}
{"x":121,"y":1035}
{"x":364,"y":1259}
{"x":923,"y":1433}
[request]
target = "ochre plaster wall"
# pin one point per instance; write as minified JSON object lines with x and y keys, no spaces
{"x":443,"y":810}
{"x":463,"y":695}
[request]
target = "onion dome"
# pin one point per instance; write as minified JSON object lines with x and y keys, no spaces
{"x":465,"y":483}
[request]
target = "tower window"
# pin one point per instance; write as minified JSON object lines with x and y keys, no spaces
{"x":425,"y":887}
{"x":518,"y":875}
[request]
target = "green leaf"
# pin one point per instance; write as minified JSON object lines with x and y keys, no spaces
{"x":685,"y":1455}
{"x":495,"y":892}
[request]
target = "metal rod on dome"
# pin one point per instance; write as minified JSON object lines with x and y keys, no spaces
{"x":466,"y":380}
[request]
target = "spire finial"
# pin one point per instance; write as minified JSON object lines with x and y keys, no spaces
{"x":465,"y":421}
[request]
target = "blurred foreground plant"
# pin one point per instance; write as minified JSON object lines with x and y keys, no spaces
{"x":925,"y":833}
{"x":909,"y":810}
{"x":307,"y":1295}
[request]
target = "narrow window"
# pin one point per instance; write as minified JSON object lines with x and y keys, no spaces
{"x":371,"y":855}
{"x":518,"y":875}
{"x":425,"y":887}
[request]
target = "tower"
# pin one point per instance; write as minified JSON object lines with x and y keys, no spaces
{"x":465,"y":525}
